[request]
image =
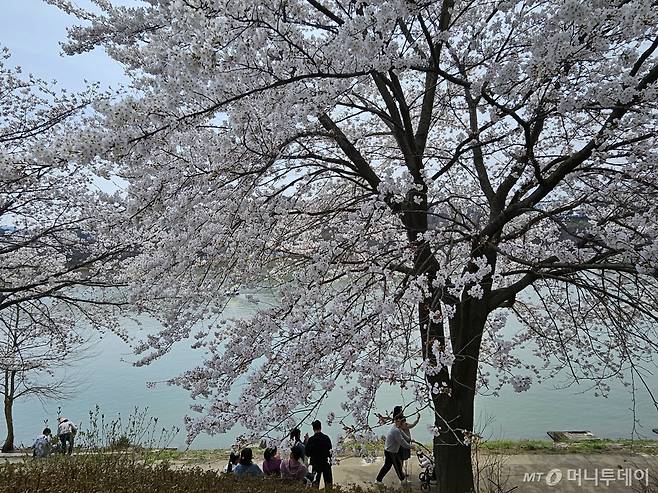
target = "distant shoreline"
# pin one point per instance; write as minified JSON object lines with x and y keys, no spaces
{"x":506,"y":447}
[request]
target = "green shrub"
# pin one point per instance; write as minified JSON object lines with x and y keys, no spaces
{"x":138,"y":429}
{"x":127,"y":473}
{"x":121,"y":443}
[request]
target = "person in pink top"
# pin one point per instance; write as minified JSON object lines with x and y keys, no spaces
{"x":272,"y":463}
{"x":293,"y":469}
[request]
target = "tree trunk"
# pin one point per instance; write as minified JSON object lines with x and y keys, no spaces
{"x":10,"y":376}
{"x":454,"y":468}
{"x":9,"y":419}
{"x":452,"y":455}
{"x":455,"y":406}
{"x":455,"y":400}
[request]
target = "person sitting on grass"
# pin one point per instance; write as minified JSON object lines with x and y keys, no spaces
{"x":42,"y":447}
{"x":294,"y":469}
{"x":246,"y":467}
{"x":272,"y":463}
{"x":232,"y":462}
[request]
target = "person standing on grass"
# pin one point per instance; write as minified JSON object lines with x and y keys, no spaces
{"x":318,"y":450}
{"x":66,"y":431}
{"x":246,"y":466}
{"x":394,"y":441}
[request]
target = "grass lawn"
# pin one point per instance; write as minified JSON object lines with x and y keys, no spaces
{"x":596,"y":446}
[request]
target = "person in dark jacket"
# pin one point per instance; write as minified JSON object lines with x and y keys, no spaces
{"x":318,"y":451}
{"x":295,"y":437}
{"x":233,"y":460}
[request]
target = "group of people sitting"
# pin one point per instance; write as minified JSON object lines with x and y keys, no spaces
{"x":66,"y":432}
{"x":313,"y":452}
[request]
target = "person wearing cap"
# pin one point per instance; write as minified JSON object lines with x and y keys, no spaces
{"x":394,"y":441}
{"x":66,"y":431}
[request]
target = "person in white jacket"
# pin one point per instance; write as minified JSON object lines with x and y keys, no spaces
{"x":66,"y":432}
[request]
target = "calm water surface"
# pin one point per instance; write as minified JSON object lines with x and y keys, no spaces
{"x":107,"y":379}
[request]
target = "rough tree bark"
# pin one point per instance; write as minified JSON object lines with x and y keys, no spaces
{"x":454,"y":407}
{"x":10,"y":378}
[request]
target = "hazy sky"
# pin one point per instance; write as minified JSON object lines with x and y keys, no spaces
{"x":32,"y":30}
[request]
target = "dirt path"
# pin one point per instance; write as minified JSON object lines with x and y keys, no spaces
{"x":534,"y":473}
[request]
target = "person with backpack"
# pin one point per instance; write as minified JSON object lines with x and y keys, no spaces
{"x":66,"y":432}
{"x":318,"y":450}
{"x":41,"y":445}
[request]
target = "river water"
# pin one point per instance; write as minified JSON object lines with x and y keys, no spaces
{"x":104,"y":377}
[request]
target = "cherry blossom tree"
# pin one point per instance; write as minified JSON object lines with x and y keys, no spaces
{"x":52,"y":237}
{"x":424,"y":188}
{"x":60,"y":245}
{"x":33,"y":346}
